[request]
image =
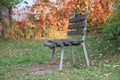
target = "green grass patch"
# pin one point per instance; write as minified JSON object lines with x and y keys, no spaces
{"x":18,"y":57}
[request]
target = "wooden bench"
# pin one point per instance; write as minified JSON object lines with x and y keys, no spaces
{"x":77,"y":26}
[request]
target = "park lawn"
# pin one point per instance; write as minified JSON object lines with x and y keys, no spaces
{"x":18,"y":57}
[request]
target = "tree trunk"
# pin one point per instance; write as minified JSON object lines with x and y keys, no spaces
{"x":10,"y":13}
{"x":5,"y":15}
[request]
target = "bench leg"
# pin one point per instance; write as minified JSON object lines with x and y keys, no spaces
{"x":61,"y":57}
{"x":86,"y":55}
{"x":52,"y":57}
{"x":72,"y":55}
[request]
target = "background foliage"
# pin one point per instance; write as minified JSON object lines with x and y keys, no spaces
{"x":112,"y":29}
{"x":6,"y":15}
{"x":9,"y":3}
{"x":49,"y":19}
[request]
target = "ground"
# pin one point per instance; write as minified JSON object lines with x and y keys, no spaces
{"x":30,"y":60}
{"x":43,"y":69}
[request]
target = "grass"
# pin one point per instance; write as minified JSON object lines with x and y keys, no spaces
{"x":17,"y":57}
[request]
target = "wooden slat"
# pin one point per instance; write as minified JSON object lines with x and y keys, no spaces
{"x":76,"y":42}
{"x":77,"y":25}
{"x":59,"y":42}
{"x":76,"y":32}
{"x":78,"y":18}
{"x":48,"y":44}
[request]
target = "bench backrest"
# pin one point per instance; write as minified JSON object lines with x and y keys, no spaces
{"x":78,"y":24}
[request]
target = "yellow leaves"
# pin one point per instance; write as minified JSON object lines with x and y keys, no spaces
{"x":92,"y":9}
{"x":56,"y":15}
{"x":31,"y":25}
{"x":37,"y":8}
{"x":54,"y":12}
{"x":78,"y":5}
{"x":42,"y":15}
{"x":65,"y":22}
{"x":37,"y":17}
{"x":86,"y":2}
{"x":50,"y":17}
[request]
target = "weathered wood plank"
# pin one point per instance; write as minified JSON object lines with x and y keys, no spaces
{"x":48,"y":44}
{"x":77,"y":25}
{"x":78,"y":18}
{"x":57,"y":42}
{"x":76,"y":42}
{"x":76,"y":32}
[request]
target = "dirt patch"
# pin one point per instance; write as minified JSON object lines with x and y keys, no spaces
{"x":43,"y":68}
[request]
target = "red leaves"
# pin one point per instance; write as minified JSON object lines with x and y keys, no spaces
{"x":22,"y":21}
{"x":56,"y":15}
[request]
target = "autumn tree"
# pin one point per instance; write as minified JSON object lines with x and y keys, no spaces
{"x":50,"y":18}
{"x":57,"y":14}
{"x":8,"y":4}
{"x":6,"y":12}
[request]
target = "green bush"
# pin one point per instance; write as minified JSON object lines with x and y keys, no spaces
{"x":112,"y":29}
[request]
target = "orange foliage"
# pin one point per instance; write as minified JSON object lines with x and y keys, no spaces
{"x":49,"y":18}
{"x":57,"y":14}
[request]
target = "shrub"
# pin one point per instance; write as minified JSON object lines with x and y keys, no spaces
{"x":112,"y":29}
